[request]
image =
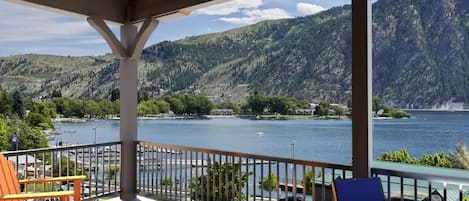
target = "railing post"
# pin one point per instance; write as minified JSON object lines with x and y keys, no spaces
{"x":362,"y":138}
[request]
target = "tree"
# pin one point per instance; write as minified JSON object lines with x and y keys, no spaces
{"x":61,"y":105}
{"x":400,"y":156}
{"x":46,"y":109}
{"x":112,"y":173}
{"x":339,"y":111}
{"x":56,"y":94}
{"x":147,"y":108}
{"x":76,"y":109}
{"x":322,"y":109}
{"x":166,"y":182}
{"x":460,"y":158}
{"x":203,"y":105}
{"x":39,"y":121}
{"x":278,"y":104}
{"x":376,"y":104}
{"x":115,"y":95}
{"x":106,"y":108}
{"x":4,"y":135}
{"x":257,"y":103}
{"x":28,"y":138}
{"x":399,"y":114}
{"x":310,"y":179}
{"x":6,"y":102}
{"x":142,"y":96}
{"x":162,"y":105}
{"x":231,"y":187}
{"x":244,"y":107}
{"x":176,"y":105}
{"x":18,"y":106}
{"x":191,"y":103}
{"x":91,"y":108}
{"x":269,"y":183}
{"x":438,"y":159}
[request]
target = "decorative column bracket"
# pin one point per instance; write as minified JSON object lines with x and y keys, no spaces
{"x":128,"y":49}
{"x":135,"y":50}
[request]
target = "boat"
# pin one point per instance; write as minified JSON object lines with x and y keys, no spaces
{"x":259,"y":133}
{"x":57,"y":131}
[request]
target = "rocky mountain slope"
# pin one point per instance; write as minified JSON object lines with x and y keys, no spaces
{"x":420,"y":60}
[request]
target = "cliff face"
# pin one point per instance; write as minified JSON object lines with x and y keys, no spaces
{"x":420,"y":58}
{"x":420,"y":52}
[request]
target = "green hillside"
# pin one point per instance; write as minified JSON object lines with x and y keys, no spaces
{"x":420,"y":60}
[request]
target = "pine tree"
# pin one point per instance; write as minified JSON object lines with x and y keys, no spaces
{"x":18,"y":105}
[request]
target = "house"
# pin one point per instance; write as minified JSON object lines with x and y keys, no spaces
{"x":224,"y":112}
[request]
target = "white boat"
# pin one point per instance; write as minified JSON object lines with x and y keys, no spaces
{"x":259,"y":133}
{"x":57,"y":131}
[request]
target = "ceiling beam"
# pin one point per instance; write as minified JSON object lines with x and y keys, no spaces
{"x":121,"y":11}
{"x":140,"y":9}
{"x":109,"y":10}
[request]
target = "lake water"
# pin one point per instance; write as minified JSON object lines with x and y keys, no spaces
{"x":318,"y":140}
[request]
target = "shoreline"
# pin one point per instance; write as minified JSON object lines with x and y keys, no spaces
{"x":254,"y":117}
{"x":437,"y":110}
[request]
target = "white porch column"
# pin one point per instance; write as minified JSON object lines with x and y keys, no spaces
{"x":362,"y":138}
{"x":128,"y":49}
{"x":128,"y":115}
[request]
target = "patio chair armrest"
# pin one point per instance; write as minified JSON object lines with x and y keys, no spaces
{"x":53,"y":179}
{"x":27,"y":196}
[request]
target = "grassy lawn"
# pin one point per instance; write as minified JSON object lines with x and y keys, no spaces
{"x":42,"y":187}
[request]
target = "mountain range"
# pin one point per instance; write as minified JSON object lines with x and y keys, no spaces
{"x":420,"y":60}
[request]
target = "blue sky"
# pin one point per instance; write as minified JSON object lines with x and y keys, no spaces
{"x":29,"y":30}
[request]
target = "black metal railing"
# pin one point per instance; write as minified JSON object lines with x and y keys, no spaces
{"x":99,"y":162}
{"x":173,"y":172}
{"x":410,"y":182}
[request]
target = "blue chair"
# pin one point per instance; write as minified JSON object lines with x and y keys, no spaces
{"x":369,"y":189}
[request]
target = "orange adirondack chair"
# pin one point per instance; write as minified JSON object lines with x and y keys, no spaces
{"x":10,"y":186}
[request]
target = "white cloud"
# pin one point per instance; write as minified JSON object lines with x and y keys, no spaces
{"x":230,"y":7}
{"x":31,"y":30}
{"x":309,"y":9}
{"x":24,"y":24}
{"x":257,"y":15}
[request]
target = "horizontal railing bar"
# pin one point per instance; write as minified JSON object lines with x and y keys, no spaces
{"x":61,"y":148}
{"x":246,"y":155}
{"x":420,"y":176}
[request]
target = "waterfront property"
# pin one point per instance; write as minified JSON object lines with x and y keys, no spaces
{"x":186,"y":173}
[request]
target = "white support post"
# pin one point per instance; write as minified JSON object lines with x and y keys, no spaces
{"x":362,"y":137}
{"x":128,"y":50}
{"x":128,"y":116}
